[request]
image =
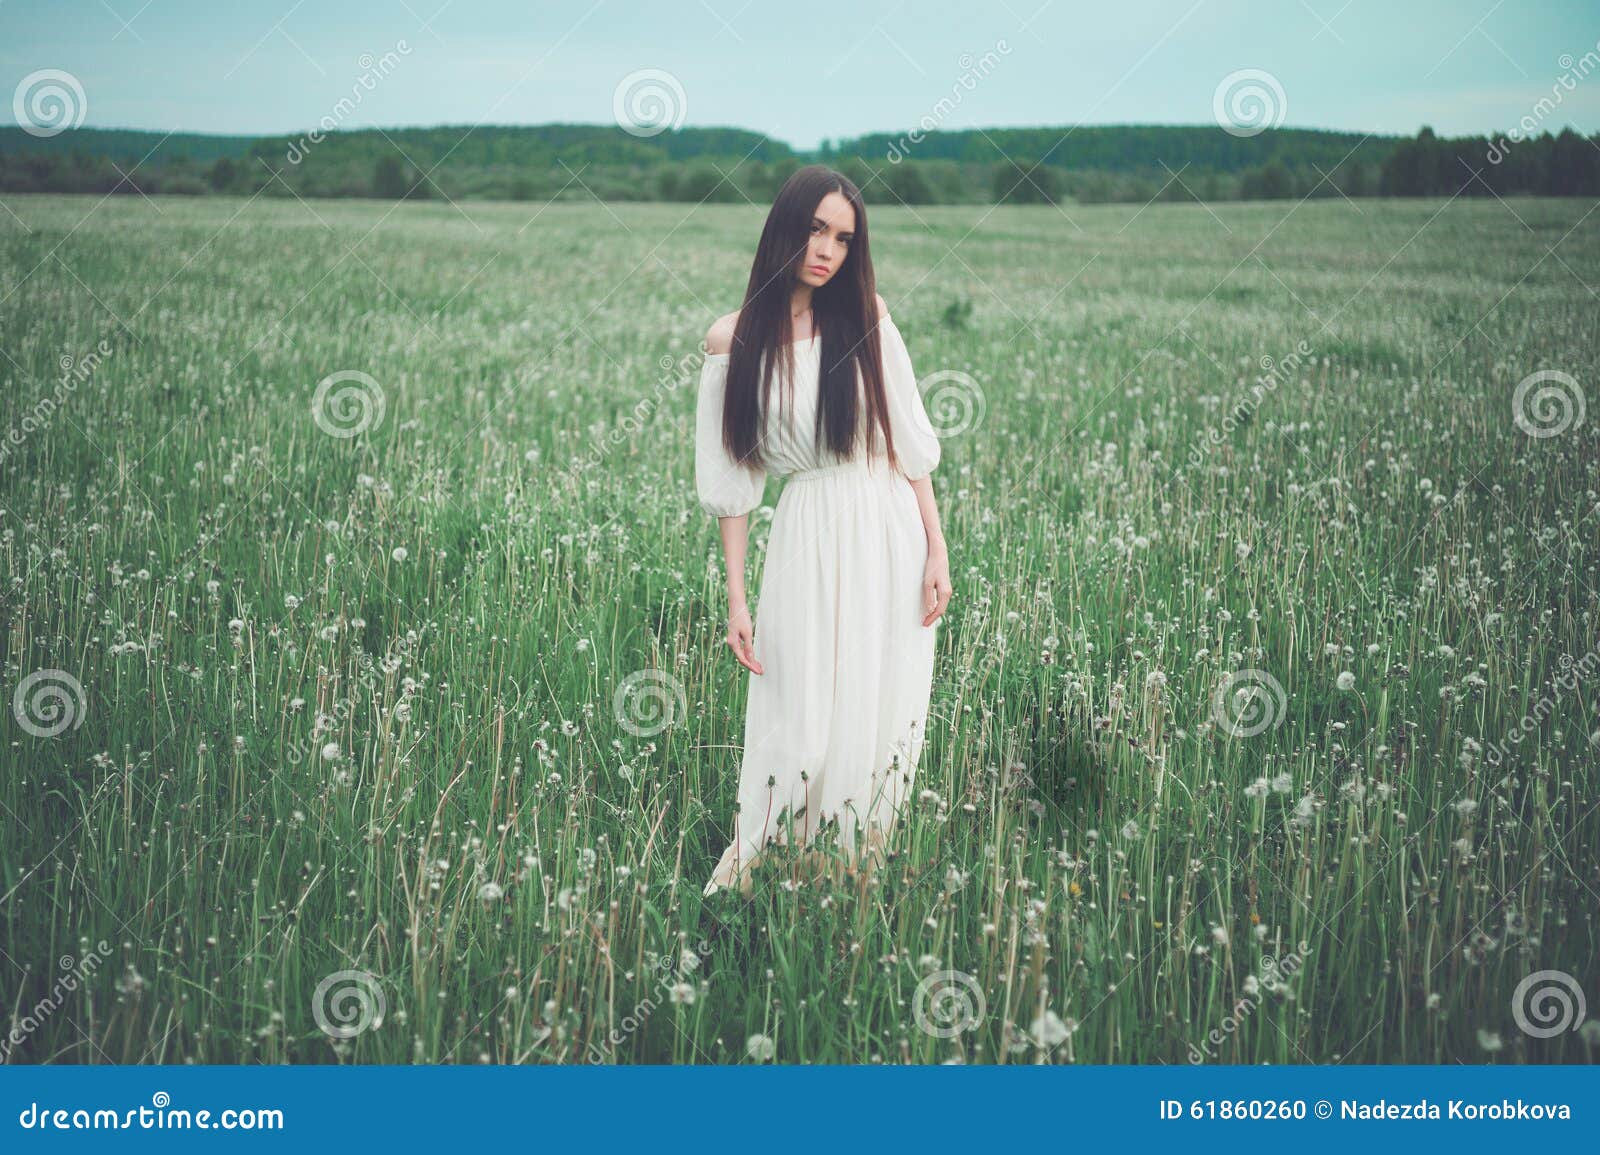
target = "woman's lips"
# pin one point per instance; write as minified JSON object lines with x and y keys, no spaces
{"x":819,"y":269}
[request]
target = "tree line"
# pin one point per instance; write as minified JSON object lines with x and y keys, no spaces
{"x":1131,"y":163}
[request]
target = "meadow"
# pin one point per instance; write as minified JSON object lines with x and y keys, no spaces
{"x":366,"y":698}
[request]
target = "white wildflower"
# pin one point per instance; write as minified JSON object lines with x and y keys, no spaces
{"x":1050,"y":1030}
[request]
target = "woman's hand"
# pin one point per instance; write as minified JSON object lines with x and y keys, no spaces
{"x":935,"y":586}
{"x":741,"y":639}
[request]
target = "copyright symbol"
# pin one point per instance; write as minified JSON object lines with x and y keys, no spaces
{"x":1323,"y":1108}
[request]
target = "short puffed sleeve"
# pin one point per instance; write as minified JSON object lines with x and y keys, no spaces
{"x":915,"y":442}
{"x":726,"y":488}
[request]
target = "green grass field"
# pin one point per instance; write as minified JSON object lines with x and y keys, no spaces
{"x":393,"y":723}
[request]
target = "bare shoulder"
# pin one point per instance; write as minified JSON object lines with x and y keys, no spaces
{"x":883,"y":308}
{"x":719,"y":338}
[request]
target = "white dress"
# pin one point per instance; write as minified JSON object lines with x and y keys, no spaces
{"x":834,"y":727}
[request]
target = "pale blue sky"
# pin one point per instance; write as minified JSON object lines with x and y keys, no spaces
{"x":806,"y":71}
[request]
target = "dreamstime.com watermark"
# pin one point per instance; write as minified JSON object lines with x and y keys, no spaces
{"x":48,"y":703}
{"x":1548,"y":1003}
{"x":1547,"y":403}
{"x":372,"y":71}
{"x":676,"y":372}
{"x":953,"y":403}
{"x":1574,"y":673}
{"x":673,"y":983}
{"x":648,"y":702}
{"x":648,"y":102}
{"x":947,"y":1003}
{"x":159,"y":1116}
{"x":1247,"y":703}
{"x":1272,"y":979}
{"x":1572,"y":71}
{"x":1273,"y":374}
{"x":349,"y":1003}
{"x":76,"y":971}
{"x":49,"y":102}
{"x":347,"y":403}
{"x":74,"y":372}
{"x":972,"y":71}
{"x":1248,"y":102}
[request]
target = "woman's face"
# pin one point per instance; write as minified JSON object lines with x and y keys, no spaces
{"x":833,"y":229}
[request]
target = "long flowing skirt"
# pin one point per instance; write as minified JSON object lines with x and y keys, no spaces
{"x":835,"y":725}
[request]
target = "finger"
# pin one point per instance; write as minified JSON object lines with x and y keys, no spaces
{"x":753,"y":663}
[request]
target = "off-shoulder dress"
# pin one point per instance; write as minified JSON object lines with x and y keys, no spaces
{"x":834,"y":727}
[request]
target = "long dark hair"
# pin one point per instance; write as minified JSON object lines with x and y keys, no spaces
{"x":844,"y":311}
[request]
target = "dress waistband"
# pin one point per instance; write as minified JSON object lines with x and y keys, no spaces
{"x":829,"y":471}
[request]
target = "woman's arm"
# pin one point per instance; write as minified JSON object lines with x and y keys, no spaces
{"x":741,"y":631}
{"x":727,"y":489}
{"x":936,"y":587}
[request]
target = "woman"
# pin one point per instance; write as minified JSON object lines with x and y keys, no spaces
{"x":811,"y":380}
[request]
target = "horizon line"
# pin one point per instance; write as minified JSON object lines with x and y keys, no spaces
{"x":1068,"y":129}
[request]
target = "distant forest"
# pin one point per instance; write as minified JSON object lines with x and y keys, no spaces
{"x":583,"y":162}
